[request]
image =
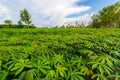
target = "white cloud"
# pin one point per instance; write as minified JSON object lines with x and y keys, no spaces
{"x":86,"y":18}
{"x":44,"y":12}
{"x":3,"y":9}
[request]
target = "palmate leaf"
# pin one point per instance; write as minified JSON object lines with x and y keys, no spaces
{"x":51,"y":74}
{"x":29,"y":75}
{"x":57,"y":58}
{"x":22,"y":75}
{"x":11,"y":64}
{"x":19,"y":66}
{"x":103,"y":60}
{"x":77,"y":77}
{"x":115,"y":76}
{"x":19,"y":71}
{"x":60,"y":70}
{"x":74,"y":75}
{"x":42,"y":66}
{"x":95,"y":65}
{"x":86,"y":71}
{"x":76,"y":61}
{"x":107,"y":69}
{"x":68,"y":64}
{"x":15,"y":68}
{"x":99,"y":77}
{"x":43,"y":70}
{"x":101,"y":70}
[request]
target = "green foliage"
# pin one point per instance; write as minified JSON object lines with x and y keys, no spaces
{"x":8,"y":23}
{"x":3,"y":75}
{"x":25,"y":17}
{"x":15,"y":26}
{"x":60,"y":54}
{"x":108,"y":17}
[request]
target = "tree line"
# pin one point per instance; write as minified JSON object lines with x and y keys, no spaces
{"x":24,"y":22}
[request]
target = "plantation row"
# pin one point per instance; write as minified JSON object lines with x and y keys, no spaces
{"x":60,"y":54}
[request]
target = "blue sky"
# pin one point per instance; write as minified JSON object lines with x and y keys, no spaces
{"x":53,"y":12}
{"x":96,"y":6}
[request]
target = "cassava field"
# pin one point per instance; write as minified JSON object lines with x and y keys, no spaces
{"x":60,"y":54}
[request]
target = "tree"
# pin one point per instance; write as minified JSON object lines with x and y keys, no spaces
{"x":117,"y":12}
{"x":108,"y":17}
{"x":20,"y":25}
{"x":63,"y":26}
{"x":95,"y":21}
{"x":82,"y":25}
{"x":117,"y":7}
{"x":25,"y":17}
{"x":8,"y":22}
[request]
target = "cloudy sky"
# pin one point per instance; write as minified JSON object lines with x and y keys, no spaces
{"x":52,"y":12}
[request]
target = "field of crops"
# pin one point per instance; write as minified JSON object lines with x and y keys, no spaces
{"x":60,"y":54}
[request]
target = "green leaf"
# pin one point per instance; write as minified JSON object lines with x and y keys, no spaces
{"x":94,"y":66}
{"x":11,"y":66}
{"x":15,"y":68}
{"x":107,"y":71}
{"x":61,"y":73}
{"x":72,"y":78}
{"x":101,"y":69}
{"x":80,"y":77}
{"x":29,"y":75}
{"x":3,"y":75}
{"x":43,"y":71}
{"x":19,"y":71}
{"x":98,"y":78}
{"x":22,"y":75}
{"x":94,"y":76}
{"x":109,"y":62}
{"x":51,"y":74}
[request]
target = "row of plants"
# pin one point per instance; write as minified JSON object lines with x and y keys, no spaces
{"x":60,"y":54}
